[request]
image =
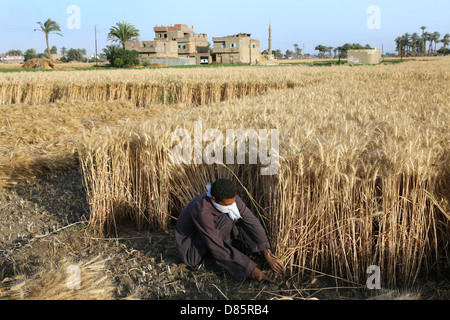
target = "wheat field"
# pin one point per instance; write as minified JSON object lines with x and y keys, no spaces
{"x":364,"y":155}
{"x":144,"y":87}
{"x":42,"y":115}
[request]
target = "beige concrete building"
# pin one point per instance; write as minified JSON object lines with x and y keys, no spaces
{"x":371,"y":56}
{"x":55,"y":56}
{"x":237,"y":49}
{"x":188,"y":41}
{"x":174,"y":41}
{"x":154,"y":49}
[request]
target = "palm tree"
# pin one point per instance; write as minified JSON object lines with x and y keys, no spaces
{"x":436,"y":38}
{"x":80,"y":54}
{"x":321,"y":50}
{"x":296,"y":50}
{"x":446,"y":40}
{"x":429,"y":37}
{"x":423,"y":40}
{"x":48,"y":27}
{"x":123,"y":32}
{"x":406,"y":42}
{"x":63,"y":51}
{"x":330,"y":49}
{"x":399,"y":42}
{"x":415,"y":43}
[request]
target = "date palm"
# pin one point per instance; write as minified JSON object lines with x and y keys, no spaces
{"x":429,"y":37}
{"x":321,"y":50}
{"x":123,"y":32}
{"x":296,"y":50}
{"x":415,"y":43}
{"x":406,"y":42}
{"x":399,"y":42}
{"x":436,"y":38}
{"x":48,"y":27}
{"x":446,"y":40}
{"x":423,"y":40}
{"x":329,"y":50}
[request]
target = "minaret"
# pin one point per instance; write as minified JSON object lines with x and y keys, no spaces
{"x":270,"y":41}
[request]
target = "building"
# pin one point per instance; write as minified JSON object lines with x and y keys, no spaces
{"x":237,"y":49}
{"x":190,"y":44}
{"x":181,"y":42}
{"x":174,"y":42}
{"x":12,"y":59}
{"x":370,"y":56}
{"x":55,"y":56}
{"x":154,"y":49}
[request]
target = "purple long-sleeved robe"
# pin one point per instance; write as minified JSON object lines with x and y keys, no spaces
{"x":201,"y":228}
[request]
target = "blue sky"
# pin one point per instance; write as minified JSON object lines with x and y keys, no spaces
{"x":307,"y":23}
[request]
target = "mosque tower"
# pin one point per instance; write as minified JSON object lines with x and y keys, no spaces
{"x":270,"y":55}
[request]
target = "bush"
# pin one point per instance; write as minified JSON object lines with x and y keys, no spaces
{"x":119,"y":57}
{"x":30,"y":54}
{"x":43,"y":55}
{"x":118,"y":62}
{"x":443,"y":51}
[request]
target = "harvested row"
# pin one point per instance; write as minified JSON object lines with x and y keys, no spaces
{"x":363,"y":178}
{"x":147,"y":87}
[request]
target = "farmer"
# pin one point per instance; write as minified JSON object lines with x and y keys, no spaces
{"x":216,"y":224}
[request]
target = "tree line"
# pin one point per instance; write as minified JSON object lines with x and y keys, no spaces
{"x":340,"y":51}
{"x":324,"y":51}
{"x":416,"y":45}
{"x":67,"y":54}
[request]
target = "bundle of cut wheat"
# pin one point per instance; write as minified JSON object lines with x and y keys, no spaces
{"x":65,"y":281}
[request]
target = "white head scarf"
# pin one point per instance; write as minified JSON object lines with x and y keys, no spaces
{"x":232,"y":210}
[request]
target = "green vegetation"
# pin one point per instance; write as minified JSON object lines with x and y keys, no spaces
{"x":74,"y":55}
{"x":24,"y":70}
{"x":321,"y":63}
{"x":119,"y":57}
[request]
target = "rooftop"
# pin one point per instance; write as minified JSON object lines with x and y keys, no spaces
{"x":177,"y":27}
{"x":239,"y":35}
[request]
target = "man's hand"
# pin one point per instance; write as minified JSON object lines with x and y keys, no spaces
{"x":274,"y":263}
{"x":258,"y":275}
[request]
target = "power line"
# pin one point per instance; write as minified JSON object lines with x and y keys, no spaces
{"x":15,"y":29}
{"x":30,"y":29}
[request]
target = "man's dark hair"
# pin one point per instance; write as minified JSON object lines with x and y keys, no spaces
{"x":223,"y":189}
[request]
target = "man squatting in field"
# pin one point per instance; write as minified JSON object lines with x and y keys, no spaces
{"x":218,"y":222}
